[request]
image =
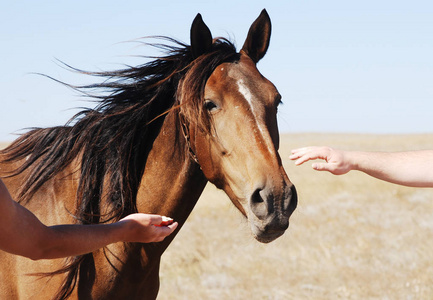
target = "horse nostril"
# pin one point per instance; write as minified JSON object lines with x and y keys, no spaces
{"x":258,"y":204}
{"x":292,"y":200}
{"x":256,"y":197}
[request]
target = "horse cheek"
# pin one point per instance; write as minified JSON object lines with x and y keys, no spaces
{"x":209,"y":163}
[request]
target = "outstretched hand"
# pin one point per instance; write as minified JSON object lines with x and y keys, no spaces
{"x":147,"y":228}
{"x":336,"y":160}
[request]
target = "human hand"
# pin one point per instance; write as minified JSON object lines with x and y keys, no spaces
{"x":147,"y":228}
{"x":336,"y":160}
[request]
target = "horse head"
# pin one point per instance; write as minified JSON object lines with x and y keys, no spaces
{"x":235,"y":138}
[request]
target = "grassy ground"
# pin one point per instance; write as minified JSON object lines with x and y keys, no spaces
{"x":351,"y":237}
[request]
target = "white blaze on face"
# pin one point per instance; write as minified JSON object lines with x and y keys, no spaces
{"x":245,"y":91}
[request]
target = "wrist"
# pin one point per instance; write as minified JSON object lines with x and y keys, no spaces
{"x":123,"y":229}
{"x":351,"y":161}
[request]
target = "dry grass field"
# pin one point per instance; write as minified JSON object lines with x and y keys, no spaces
{"x":351,"y":237}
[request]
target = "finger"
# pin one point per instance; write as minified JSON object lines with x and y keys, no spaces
{"x":301,"y":160}
{"x":165,"y":221}
{"x":299,"y":152}
{"x":167,"y":230}
{"x":319,"y":166}
{"x":302,"y":149}
{"x":324,"y":167}
{"x":155,"y":219}
{"x":295,"y":155}
{"x":306,"y":157}
{"x":306,"y":151}
{"x":173,"y":226}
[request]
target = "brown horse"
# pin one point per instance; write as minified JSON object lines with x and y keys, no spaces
{"x":160,"y":132}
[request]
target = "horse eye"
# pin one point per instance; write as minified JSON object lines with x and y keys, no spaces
{"x":209,"y":105}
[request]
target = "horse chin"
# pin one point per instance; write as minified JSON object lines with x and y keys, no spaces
{"x":265,"y":237}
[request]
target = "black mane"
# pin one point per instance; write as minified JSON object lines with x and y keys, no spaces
{"x":112,"y":141}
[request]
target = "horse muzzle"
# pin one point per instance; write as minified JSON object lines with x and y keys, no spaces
{"x":269,"y":212}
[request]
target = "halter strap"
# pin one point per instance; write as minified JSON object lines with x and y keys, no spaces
{"x":188,"y":142}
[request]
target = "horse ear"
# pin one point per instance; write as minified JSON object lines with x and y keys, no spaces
{"x":258,"y":38}
{"x":201,"y":38}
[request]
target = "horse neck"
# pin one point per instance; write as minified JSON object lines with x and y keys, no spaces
{"x":172,"y":182}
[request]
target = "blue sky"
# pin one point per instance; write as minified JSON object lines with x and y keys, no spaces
{"x":341,"y":66}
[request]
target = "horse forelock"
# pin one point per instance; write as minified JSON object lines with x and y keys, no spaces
{"x":191,"y":88}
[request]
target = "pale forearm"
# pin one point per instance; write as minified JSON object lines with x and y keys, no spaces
{"x":414,"y":168}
